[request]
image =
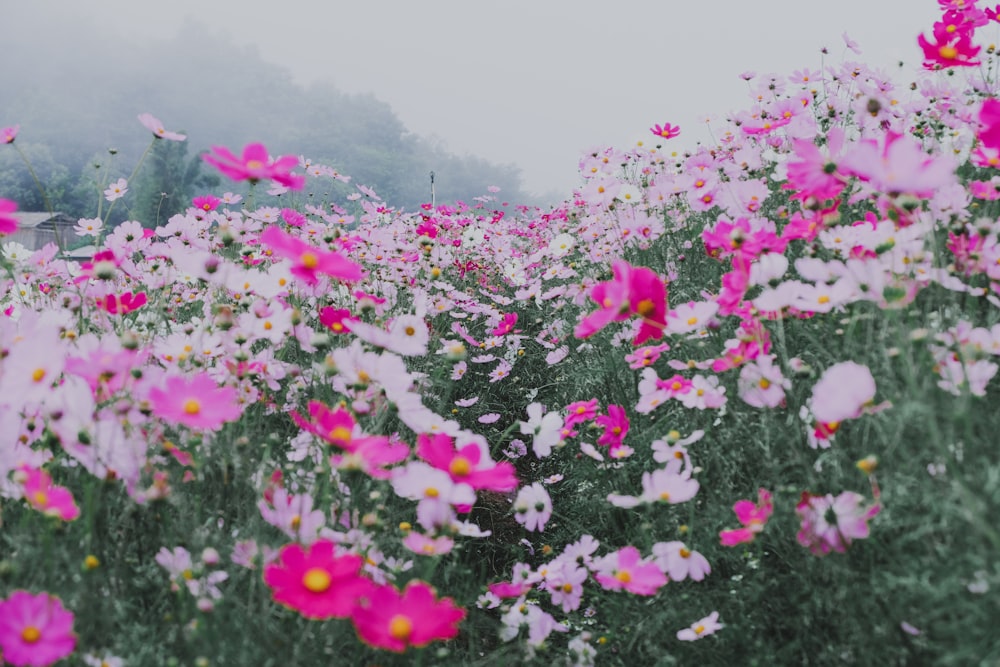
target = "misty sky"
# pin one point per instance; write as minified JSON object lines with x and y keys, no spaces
{"x":535,"y":82}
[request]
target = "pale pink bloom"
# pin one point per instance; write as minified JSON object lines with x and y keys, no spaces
{"x":533,"y":507}
{"x":540,"y":624}
{"x":899,"y":165}
{"x":156,"y":127}
{"x":678,"y":562}
{"x":831,"y":524}
{"x":706,"y":626}
{"x":293,"y":515}
{"x":564,"y":581}
{"x":691,"y":317}
{"x":418,"y":481}
{"x":421,"y":544}
{"x":842,"y":392}
{"x":116,"y":190}
{"x":88,"y":227}
{"x":761,"y":383}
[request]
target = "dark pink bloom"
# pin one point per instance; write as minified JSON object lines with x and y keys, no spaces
{"x":334,"y":319}
{"x":813,"y":172}
{"x":8,"y":134}
{"x":370,"y":453}
{"x":466,"y":465}
{"x":123,"y":304}
{"x":632,"y":291}
{"x":35,"y":630}
{"x":195,"y":402}
{"x":256,"y":165}
{"x":8,"y":223}
{"x":753,"y":517}
{"x":44,"y":496}
{"x":948,"y":49}
{"x":666,"y":131}
{"x":396,"y":621}
{"x":308,"y":260}
{"x":316,"y":582}
{"x":206,"y":203}
{"x":579,"y":412}
{"x":506,"y":325}
{"x":615,"y":425}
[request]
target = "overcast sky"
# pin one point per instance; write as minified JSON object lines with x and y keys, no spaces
{"x":536,"y":82}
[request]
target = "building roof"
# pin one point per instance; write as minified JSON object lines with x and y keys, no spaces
{"x":42,"y":220}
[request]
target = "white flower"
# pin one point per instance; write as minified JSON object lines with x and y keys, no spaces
{"x":545,"y":428}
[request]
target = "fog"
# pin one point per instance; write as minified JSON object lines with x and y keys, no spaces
{"x":516,"y":83}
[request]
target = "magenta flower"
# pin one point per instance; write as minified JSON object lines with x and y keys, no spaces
{"x":948,"y":50}
{"x":123,"y":304}
{"x":206,"y":203}
{"x":506,"y":325}
{"x":334,"y":319}
{"x":35,"y":630}
{"x":44,"y":496}
{"x":466,"y":465}
{"x":308,"y":261}
{"x":316,"y":582}
{"x":753,"y":517}
{"x":256,"y":165}
{"x":579,"y":412}
{"x":632,"y":291}
{"x":8,"y":223}
{"x":156,"y":127}
{"x":195,"y":402}
{"x":625,"y":570}
{"x":831,"y":524}
{"x":396,"y":621}
{"x":8,"y":134}
{"x":615,"y":425}
{"x":666,"y":131}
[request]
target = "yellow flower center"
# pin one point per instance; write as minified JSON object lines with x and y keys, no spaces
{"x":685,"y":553}
{"x":764,"y":383}
{"x":409,"y":331}
{"x":254,"y":164}
{"x":664,"y":496}
{"x":431,"y":492}
{"x":340,"y":434}
{"x":400,"y":627}
{"x":38,"y":375}
{"x":31,"y":634}
{"x":316,"y":580}
{"x":948,"y":52}
{"x":698,"y":629}
{"x":40,"y":498}
{"x":460,"y":466}
{"x":645,"y":307}
{"x":692,"y":321}
{"x":309,"y":260}
{"x":623,"y":576}
{"x":192,"y":406}
{"x":567,"y":587}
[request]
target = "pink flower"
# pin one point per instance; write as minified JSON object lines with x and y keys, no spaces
{"x":256,"y":165}
{"x":195,"y":402}
{"x":625,"y":570}
{"x":396,"y":621}
{"x":506,"y":325}
{"x":35,"y":630}
{"x":831,"y":524}
{"x":126,"y":303}
{"x":421,"y":544}
{"x":8,"y":223}
{"x":666,"y":131}
{"x":334,"y":319}
{"x":706,"y":626}
{"x":753,"y":517}
{"x":156,"y":127}
{"x":206,"y":203}
{"x":316,"y":582}
{"x":466,"y":465}
{"x":308,"y":260}
{"x":579,"y":412}
{"x":678,"y":562}
{"x":44,"y":496}
{"x":948,"y":50}
{"x":842,"y":392}
{"x":615,"y":425}
{"x":899,"y":165}
{"x":632,"y":291}
{"x":8,"y":134}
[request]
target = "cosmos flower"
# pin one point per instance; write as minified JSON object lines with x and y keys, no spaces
{"x":395,"y":621}
{"x":156,"y":127}
{"x":317,"y":582}
{"x":35,"y":630}
{"x":256,"y":165}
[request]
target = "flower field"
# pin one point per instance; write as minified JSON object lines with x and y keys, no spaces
{"x":728,"y":405}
